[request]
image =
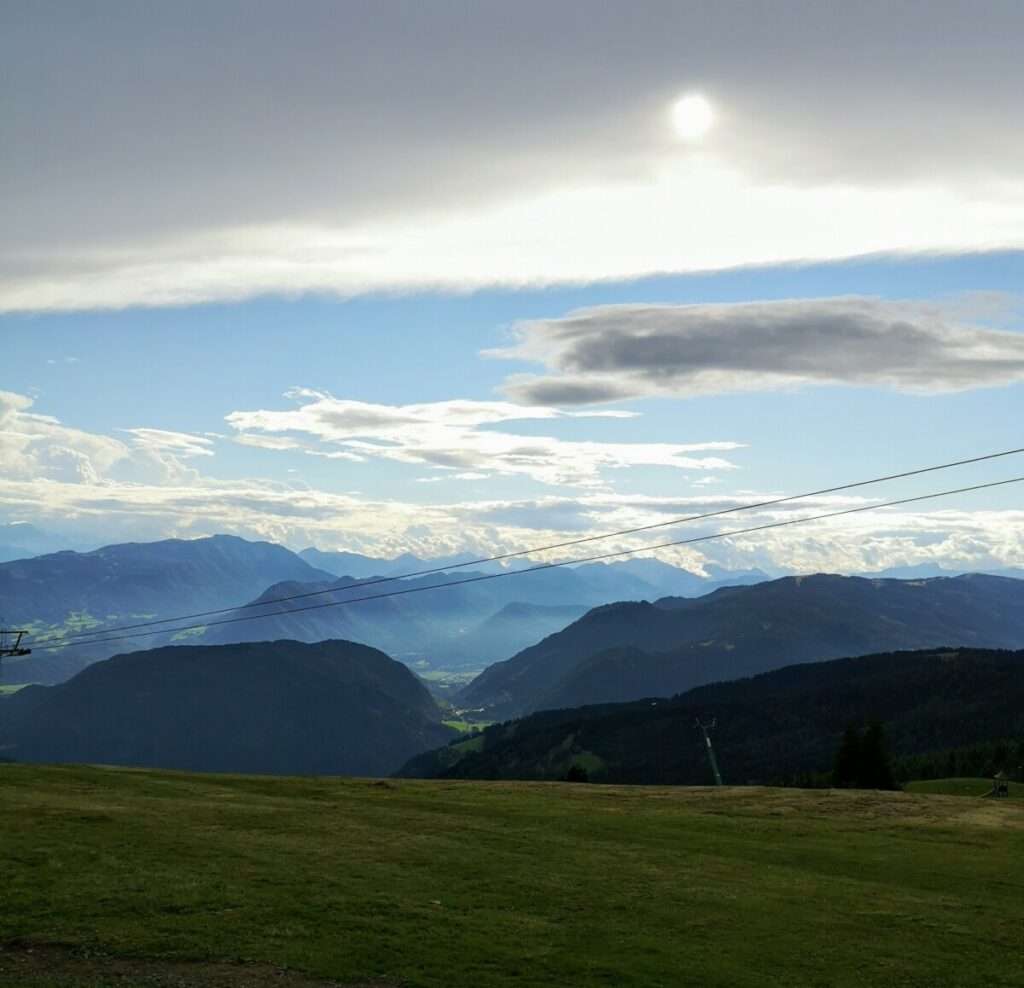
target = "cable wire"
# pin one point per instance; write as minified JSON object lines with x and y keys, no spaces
{"x":90,"y":635}
{"x":547,"y":566}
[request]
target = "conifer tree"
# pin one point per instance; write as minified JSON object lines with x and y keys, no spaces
{"x":847,"y":769}
{"x":876,"y":766}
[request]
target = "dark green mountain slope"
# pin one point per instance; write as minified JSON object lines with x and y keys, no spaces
{"x":334,"y":708}
{"x":629,"y":650}
{"x":70,"y":591}
{"x":770,"y":728}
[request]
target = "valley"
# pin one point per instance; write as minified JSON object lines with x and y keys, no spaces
{"x":612,"y":689}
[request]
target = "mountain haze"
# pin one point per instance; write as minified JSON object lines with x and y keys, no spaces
{"x":464,"y":619}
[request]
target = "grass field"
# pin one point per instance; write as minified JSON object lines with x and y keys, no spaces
{"x":962,"y":787}
{"x":467,"y":726}
{"x":499,"y":884}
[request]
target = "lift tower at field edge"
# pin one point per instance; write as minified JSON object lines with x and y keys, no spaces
{"x":10,"y":644}
{"x":711,"y":751}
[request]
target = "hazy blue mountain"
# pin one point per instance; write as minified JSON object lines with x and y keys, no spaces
{"x":22,"y":540}
{"x":360,"y":567}
{"x":119,"y":584}
{"x":626,"y":579}
{"x":630,"y":650}
{"x":345,"y":563}
{"x":660,"y":579}
{"x":921,"y":571}
{"x":454,"y":626}
{"x":334,"y":708}
{"x":468,"y":624}
{"x":516,"y":626}
{"x":620,"y":581}
{"x":772,"y":728}
{"x":1011,"y":572}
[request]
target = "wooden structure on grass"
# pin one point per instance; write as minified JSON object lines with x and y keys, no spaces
{"x":1000,"y":786}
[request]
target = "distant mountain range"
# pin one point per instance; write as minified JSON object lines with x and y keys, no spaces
{"x":770,"y":729}
{"x":457,"y":629}
{"x":360,"y":567}
{"x":625,"y":651}
{"x":65,"y":592}
{"x":21,"y":540}
{"x":68,"y":592}
{"x":456,"y":626}
{"x":284,"y":707}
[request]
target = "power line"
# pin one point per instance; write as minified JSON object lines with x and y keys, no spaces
{"x":70,"y":639}
{"x":545,"y":566}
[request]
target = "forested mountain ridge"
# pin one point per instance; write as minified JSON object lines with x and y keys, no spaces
{"x":633,"y":649}
{"x":771,"y":728}
{"x":284,"y":707}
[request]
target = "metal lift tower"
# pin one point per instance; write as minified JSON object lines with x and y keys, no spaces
{"x":10,"y":644}
{"x":711,"y":751}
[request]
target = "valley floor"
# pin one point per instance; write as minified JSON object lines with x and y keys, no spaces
{"x":496,"y":884}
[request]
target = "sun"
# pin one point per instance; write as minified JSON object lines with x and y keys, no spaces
{"x":693,"y":117}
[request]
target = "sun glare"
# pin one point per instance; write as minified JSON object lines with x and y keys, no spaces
{"x":693,"y":117}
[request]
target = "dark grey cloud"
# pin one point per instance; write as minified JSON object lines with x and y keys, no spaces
{"x":179,"y":151}
{"x":616,"y":352}
{"x":127,"y":118}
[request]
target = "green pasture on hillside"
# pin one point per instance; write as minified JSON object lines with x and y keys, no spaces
{"x":467,"y":726}
{"x":500,"y":884}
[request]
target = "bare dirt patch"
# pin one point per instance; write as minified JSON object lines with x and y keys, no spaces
{"x":33,"y":965}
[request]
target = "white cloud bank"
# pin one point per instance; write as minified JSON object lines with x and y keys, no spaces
{"x":616,"y":352}
{"x":570,"y":236}
{"x":156,"y":155}
{"x":99,"y":488}
{"x":457,"y":436}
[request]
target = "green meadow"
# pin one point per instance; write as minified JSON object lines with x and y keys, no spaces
{"x":499,"y":884}
{"x":467,"y":726}
{"x":963,"y":787}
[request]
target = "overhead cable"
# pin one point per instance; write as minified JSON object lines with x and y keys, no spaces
{"x":543,"y":566}
{"x":376,"y":581}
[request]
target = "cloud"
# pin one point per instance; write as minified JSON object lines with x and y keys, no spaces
{"x":98,"y":488}
{"x":469,"y":475}
{"x":457,"y":435}
{"x":703,"y":221}
{"x":179,"y":443}
{"x":626,"y":351}
{"x":39,"y":448}
{"x":347,"y":149}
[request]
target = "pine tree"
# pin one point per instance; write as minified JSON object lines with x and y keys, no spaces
{"x":847,"y":769}
{"x":876,"y":766}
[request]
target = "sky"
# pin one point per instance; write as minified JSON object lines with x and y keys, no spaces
{"x":475,"y":277}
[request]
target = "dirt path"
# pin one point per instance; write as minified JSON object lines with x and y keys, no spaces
{"x":48,"y":965}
